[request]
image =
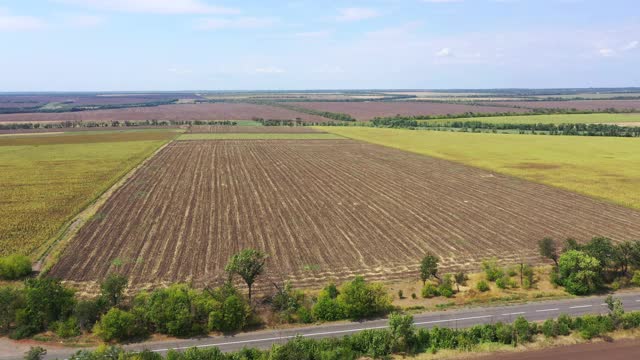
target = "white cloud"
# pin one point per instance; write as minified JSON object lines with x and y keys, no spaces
{"x":154,"y":6}
{"x":83,"y":21}
{"x":444,"y":52}
{"x":234,"y":23}
{"x":10,"y":22}
{"x":313,"y":34}
{"x":269,"y":70}
{"x":606,"y":52}
{"x":630,"y":46}
{"x":357,"y":14}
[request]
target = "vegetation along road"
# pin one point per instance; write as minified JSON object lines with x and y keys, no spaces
{"x":537,"y":311}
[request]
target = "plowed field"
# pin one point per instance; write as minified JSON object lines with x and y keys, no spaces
{"x":322,"y":209}
{"x":214,"y":129}
{"x":590,"y":105}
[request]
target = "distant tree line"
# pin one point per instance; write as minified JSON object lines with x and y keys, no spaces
{"x":551,"y":129}
{"x":40,"y":109}
{"x":113,"y":124}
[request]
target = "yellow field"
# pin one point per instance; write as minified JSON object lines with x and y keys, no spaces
{"x":47,"y":179}
{"x":602,"y":167}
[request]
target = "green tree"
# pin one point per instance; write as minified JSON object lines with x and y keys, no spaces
{"x":35,"y":353}
{"x":118,"y":325}
{"x":549,"y":249}
{"x":602,"y":249}
{"x":248,"y":264}
{"x":461,"y":279}
{"x":46,"y":301}
{"x":624,"y":257}
{"x":113,"y":287}
{"x":580,"y":273}
{"x":361,"y":299}
{"x":428,"y":268}
{"x":11,"y":301}
{"x":403,"y":331}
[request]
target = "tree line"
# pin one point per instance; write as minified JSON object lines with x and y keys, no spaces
{"x":113,"y":124}
{"x":40,"y":109}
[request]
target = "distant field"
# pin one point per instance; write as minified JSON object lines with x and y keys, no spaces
{"x":252,"y":129}
{"x":368,"y":110}
{"x":46,"y":179}
{"x":550,"y":119}
{"x":589,"y":105}
{"x":606,"y":168}
{"x":258,"y":136}
{"x":185,"y":112}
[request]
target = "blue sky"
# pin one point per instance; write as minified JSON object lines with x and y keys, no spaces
{"x":124,"y":45}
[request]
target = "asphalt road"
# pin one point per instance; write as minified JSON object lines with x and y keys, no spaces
{"x":535,"y":311}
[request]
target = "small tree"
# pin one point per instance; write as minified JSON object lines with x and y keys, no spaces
{"x":248,"y":264}
{"x":549,"y":249}
{"x":461,"y":279}
{"x":35,"y":353}
{"x":428,"y":268}
{"x":112,"y":288}
{"x":579,"y":272}
{"x":403,"y":331}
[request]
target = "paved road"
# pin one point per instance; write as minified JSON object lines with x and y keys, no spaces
{"x":535,"y":311}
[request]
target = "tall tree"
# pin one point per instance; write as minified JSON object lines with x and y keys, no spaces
{"x":428,"y":268}
{"x":248,"y":264}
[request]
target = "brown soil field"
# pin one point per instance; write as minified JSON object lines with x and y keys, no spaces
{"x":590,"y":105}
{"x":322,"y":210}
{"x":252,"y":129}
{"x":213,"y":111}
{"x":616,"y":350}
{"x":369,"y":110}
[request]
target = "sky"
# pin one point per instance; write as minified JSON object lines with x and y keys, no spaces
{"x":164,"y":45}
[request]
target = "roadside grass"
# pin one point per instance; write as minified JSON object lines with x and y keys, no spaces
{"x":607,"y":168}
{"x":46,"y":180}
{"x":252,"y":136}
{"x":547,"y":119}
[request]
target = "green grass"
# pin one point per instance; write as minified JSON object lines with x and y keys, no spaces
{"x":46,"y":180}
{"x":251,"y":136}
{"x":549,"y":119}
{"x":603,"y":167}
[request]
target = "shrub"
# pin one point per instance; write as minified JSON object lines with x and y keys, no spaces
{"x":446,"y":287}
{"x":414,"y":296}
{"x":118,"y":325}
{"x":328,"y":309}
{"x":482,"y":286}
{"x":636,"y":278}
{"x":429,"y":290}
{"x":360,"y":299}
{"x":230,"y":314}
{"x":35,"y":353}
{"x":67,"y":328}
{"x":491,"y":269}
{"x":14,"y":267}
{"x":590,"y":326}
{"x":550,"y":328}
{"x":400,"y":294}
{"x":304,"y":315}
{"x":504,"y":333}
{"x":374,"y":343}
{"x":523,"y":330}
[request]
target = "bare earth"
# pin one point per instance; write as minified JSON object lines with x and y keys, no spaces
{"x":215,"y":111}
{"x":618,"y":350}
{"x":591,"y":105}
{"x":252,"y":129}
{"x":322,"y":209}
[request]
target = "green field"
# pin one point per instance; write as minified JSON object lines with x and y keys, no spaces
{"x":252,"y":136}
{"x":548,"y":119}
{"x":603,"y":167}
{"x":47,"y":179}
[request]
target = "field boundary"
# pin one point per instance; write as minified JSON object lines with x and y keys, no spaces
{"x":50,"y":251}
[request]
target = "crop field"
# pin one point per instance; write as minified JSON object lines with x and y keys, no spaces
{"x":252,"y":129}
{"x":213,"y":111}
{"x":322,"y":210}
{"x":552,"y":119}
{"x":46,"y":179}
{"x":368,"y":110}
{"x":603,"y":167}
{"x":591,"y":105}
{"x":258,"y":136}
